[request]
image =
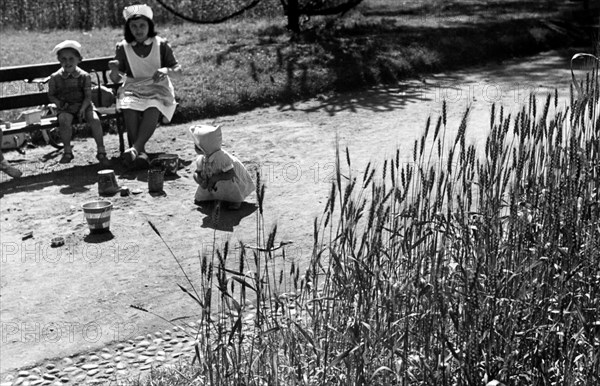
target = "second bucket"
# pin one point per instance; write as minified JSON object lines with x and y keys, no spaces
{"x":156,"y":179}
{"x":107,"y":182}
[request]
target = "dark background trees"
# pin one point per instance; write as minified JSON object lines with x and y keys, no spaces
{"x":88,"y":14}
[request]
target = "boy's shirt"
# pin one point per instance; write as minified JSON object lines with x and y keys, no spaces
{"x":69,"y":87}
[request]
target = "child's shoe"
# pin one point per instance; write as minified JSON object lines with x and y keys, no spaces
{"x":103,"y":160}
{"x":10,"y":170}
{"x":66,"y":158}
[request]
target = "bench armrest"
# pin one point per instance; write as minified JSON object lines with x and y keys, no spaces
{"x":39,"y":80}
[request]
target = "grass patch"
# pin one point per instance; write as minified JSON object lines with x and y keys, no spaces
{"x":251,"y":63}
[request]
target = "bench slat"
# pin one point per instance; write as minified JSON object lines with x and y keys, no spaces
{"x":49,"y":123}
{"x":24,"y":100}
{"x":30,"y":72}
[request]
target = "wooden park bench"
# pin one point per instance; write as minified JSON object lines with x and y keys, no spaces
{"x":16,"y":95}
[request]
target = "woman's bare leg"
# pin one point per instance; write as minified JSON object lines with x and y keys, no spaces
{"x":97,"y":132}
{"x":132,"y":121}
{"x":146,"y":128}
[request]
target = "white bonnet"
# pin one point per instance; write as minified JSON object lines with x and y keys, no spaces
{"x":137,"y":10}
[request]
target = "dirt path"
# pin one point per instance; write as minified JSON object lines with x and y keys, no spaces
{"x":56,"y":302}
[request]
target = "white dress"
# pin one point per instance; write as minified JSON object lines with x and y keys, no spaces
{"x":234,"y":190}
{"x":141,"y":92}
{"x":217,"y":160}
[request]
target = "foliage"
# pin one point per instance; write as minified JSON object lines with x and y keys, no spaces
{"x":88,"y":14}
{"x":456,"y":268}
{"x":213,"y":11}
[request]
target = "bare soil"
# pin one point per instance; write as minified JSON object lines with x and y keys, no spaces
{"x":56,"y":302}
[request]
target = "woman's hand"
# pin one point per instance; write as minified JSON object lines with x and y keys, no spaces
{"x":160,"y":74}
{"x":81,"y":115}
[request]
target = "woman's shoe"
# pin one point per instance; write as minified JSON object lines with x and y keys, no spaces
{"x":141,"y":162}
{"x":144,"y":157}
{"x":66,"y":158}
{"x":129,"y":156}
{"x":103,"y":160}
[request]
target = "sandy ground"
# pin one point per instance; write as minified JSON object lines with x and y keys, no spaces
{"x":57,"y":302}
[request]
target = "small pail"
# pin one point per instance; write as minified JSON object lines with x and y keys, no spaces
{"x":107,"y":182}
{"x":156,"y":179}
{"x":97,"y":214}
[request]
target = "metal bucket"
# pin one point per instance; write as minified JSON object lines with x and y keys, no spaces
{"x":156,"y":179}
{"x":97,"y":215}
{"x":107,"y":182}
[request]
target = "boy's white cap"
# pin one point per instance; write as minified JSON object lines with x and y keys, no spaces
{"x":67,"y":44}
{"x":137,"y":10}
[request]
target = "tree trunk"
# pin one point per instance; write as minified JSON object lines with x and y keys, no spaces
{"x":293,"y":16}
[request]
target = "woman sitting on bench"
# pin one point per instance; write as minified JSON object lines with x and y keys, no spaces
{"x":145,"y":60}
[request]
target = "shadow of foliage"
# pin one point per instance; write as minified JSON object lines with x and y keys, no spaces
{"x":356,"y":53}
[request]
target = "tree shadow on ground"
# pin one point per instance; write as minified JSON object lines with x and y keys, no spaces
{"x":359,"y":63}
{"x":379,"y":99}
{"x":387,"y":44}
{"x":77,"y":179}
{"x":363,"y":55}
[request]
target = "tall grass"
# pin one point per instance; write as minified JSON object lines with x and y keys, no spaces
{"x":461,"y":267}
